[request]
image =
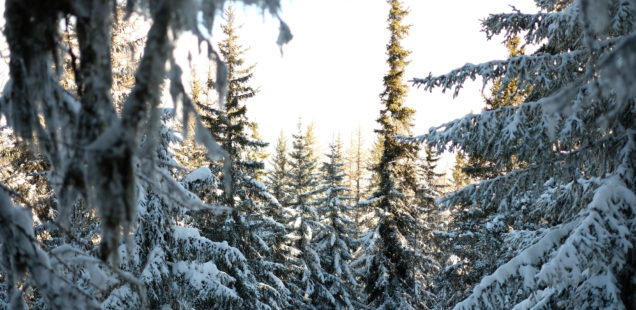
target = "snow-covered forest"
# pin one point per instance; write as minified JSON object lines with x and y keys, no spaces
{"x":131,"y":176}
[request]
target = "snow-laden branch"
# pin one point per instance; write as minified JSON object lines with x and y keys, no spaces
{"x":528,"y":183}
{"x":561,"y":27}
{"x":582,"y":257}
{"x":543,"y":72}
{"x":23,"y":256}
{"x":571,"y":145}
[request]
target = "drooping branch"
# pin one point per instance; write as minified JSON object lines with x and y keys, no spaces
{"x":95,"y":80}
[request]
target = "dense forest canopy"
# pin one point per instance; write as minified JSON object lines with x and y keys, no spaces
{"x":132,"y":179}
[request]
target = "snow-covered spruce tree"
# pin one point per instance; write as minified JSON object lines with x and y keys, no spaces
{"x":475,"y":238}
{"x":334,"y":242}
{"x":284,"y":247}
{"x":308,"y":277}
{"x":247,"y":227}
{"x":278,"y":177}
{"x":569,"y":212}
{"x":430,"y":177}
{"x":165,"y":255}
{"x":390,"y":263}
{"x":303,"y":172}
{"x":188,"y":153}
{"x":170,"y":253}
{"x":229,"y":124}
{"x":430,"y":241}
{"x":95,"y":153}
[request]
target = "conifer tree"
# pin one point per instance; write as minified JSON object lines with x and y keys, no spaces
{"x":171,"y":252}
{"x":278,"y":178}
{"x":24,"y":171}
{"x":303,"y":219}
{"x":229,"y":125}
{"x":334,"y":242}
{"x":430,"y":243}
{"x":429,"y":177}
{"x":476,"y":236}
{"x":248,"y":227}
{"x":303,"y":168}
{"x":284,"y":247}
{"x":567,"y":214}
{"x":189,"y":154}
{"x":391,"y":266}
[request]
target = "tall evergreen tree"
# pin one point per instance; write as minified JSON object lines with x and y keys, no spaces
{"x":247,"y":227}
{"x":433,"y":224}
{"x":284,"y":247}
{"x":334,"y":242}
{"x":391,"y":265}
{"x":188,"y":153}
{"x":303,"y":218}
{"x":303,"y":168}
{"x":278,"y":178}
{"x":171,"y":252}
{"x":229,"y":125}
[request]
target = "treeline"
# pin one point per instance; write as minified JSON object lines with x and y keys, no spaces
{"x":328,"y":226}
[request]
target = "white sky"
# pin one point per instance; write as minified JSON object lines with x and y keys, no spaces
{"x":331,"y":72}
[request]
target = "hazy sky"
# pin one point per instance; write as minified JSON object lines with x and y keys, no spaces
{"x":331,"y":72}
